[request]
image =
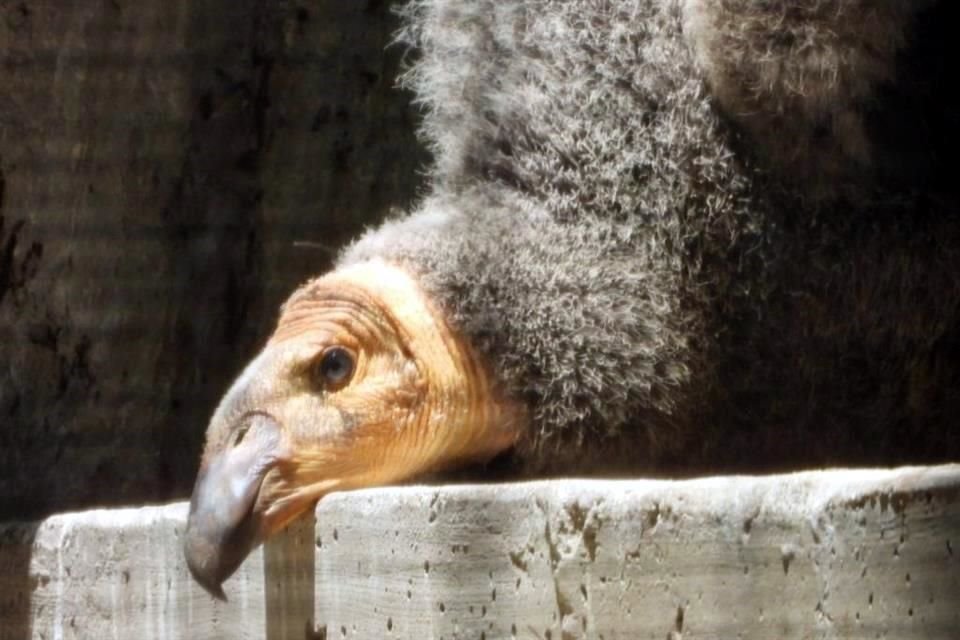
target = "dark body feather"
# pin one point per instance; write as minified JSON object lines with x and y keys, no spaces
{"x":681,"y":259}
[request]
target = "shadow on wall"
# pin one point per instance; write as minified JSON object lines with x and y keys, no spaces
{"x":169,"y":172}
{"x":16,"y":582}
{"x":169,"y":175}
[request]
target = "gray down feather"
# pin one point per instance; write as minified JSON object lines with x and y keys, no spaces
{"x":693,"y":235}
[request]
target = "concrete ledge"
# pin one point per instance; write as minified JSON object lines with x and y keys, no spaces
{"x":840,"y":554}
{"x":116,"y":573}
{"x":834,"y":554}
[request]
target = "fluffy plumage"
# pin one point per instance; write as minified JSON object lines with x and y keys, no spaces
{"x":816,"y":74}
{"x":663,"y":225}
{"x":660,"y":236}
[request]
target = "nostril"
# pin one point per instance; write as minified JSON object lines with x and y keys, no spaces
{"x":263,"y":425}
{"x":241,"y":433}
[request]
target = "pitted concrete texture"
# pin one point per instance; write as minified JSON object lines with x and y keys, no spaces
{"x":839,"y":554}
{"x":117,"y":573}
{"x":833,"y":554}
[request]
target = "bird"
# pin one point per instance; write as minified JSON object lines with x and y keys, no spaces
{"x":658,"y":238}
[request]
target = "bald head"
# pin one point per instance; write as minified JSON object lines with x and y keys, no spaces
{"x":362,"y":384}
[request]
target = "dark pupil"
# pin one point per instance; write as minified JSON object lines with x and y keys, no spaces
{"x":336,"y":365}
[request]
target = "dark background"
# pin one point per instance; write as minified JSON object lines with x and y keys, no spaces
{"x":169,"y":171}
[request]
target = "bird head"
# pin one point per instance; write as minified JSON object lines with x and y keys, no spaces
{"x":362,"y":383}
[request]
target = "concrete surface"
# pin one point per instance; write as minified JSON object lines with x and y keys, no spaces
{"x":117,"y":573}
{"x":814,"y":555}
{"x":837,"y":554}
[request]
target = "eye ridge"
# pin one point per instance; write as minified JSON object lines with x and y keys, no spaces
{"x":334,"y":367}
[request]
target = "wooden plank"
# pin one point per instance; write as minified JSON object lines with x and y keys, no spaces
{"x":288,"y":569}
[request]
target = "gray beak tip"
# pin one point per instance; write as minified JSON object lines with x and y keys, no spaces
{"x":212,"y":587}
{"x":206,"y":577}
{"x":222,"y":527}
{"x":215,"y":590}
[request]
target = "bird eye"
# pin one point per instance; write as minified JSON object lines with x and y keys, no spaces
{"x":334,"y":368}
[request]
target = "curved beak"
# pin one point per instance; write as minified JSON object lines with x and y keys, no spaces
{"x":224,"y":524}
